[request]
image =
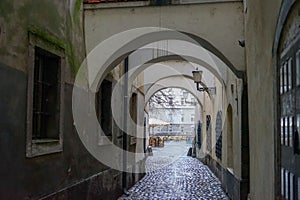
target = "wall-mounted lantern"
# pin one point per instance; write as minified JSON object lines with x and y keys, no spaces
{"x":197,"y":75}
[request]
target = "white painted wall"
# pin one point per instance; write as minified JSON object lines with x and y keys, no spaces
{"x":203,"y":20}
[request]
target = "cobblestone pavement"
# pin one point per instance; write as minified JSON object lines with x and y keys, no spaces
{"x":182,"y":178}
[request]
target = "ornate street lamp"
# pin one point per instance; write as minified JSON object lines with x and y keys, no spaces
{"x":197,"y":75}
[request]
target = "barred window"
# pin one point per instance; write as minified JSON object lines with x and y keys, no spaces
{"x":46,"y":95}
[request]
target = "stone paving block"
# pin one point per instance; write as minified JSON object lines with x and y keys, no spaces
{"x":185,"y":178}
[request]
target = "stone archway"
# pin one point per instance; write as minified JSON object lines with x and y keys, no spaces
{"x":91,"y":78}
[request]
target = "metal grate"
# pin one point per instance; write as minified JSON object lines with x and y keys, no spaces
{"x":219,"y":123}
{"x":46,"y":95}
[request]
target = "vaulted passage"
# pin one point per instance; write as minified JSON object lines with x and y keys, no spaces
{"x":165,"y":53}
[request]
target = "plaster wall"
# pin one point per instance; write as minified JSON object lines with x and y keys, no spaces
{"x":232,"y":96}
{"x":227,"y":94}
{"x":220,"y":102}
{"x":260,"y":24}
{"x":204,"y":20}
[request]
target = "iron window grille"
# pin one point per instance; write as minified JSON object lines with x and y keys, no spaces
{"x":46,"y":95}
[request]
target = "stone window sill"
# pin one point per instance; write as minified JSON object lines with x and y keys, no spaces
{"x":42,"y":141}
{"x":43,"y":147}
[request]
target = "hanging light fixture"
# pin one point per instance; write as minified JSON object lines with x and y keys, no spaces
{"x":197,"y":76}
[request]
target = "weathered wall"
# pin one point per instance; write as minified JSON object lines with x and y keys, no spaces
{"x":260,"y":24}
{"x":232,"y":97}
{"x":73,"y":172}
{"x":32,"y":177}
{"x":57,"y":21}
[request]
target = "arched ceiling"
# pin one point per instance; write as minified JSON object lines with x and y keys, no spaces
{"x":121,"y":45}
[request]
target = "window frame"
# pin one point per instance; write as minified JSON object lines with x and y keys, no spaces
{"x":38,"y":147}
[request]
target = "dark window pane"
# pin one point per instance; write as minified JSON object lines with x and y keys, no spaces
{"x":104,"y":107}
{"x":298,"y":188}
{"x":287,"y":176}
{"x":292,"y":186}
{"x":285,"y":78}
{"x":282,"y":131}
{"x":298,"y":68}
{"x":133,"y":108}
{"x":46,"y":95}
{"x":289,"y":66}
{"x":286,"y":135}
{"x":281,"y":80}
{"x":282,"y":182}
{"x":199,"y":132}
{"x":298,"y":130}
{"x":291,"y":131}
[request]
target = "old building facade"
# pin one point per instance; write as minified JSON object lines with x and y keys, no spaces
{"x":179,"y":113}
{"x":249,"y":129}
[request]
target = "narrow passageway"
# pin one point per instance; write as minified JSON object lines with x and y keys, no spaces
{"x":180,"y":177}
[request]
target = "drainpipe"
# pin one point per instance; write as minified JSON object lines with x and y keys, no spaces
{"x":125,"y":111}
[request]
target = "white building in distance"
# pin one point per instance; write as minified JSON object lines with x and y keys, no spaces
{"x":175,"y":106}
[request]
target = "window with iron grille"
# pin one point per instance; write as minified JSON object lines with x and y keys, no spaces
{"x":46,"y":95}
